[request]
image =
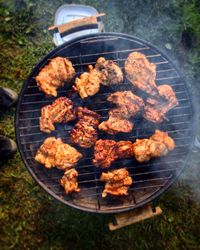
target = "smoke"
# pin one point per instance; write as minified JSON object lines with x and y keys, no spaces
{"x":162,"y":23}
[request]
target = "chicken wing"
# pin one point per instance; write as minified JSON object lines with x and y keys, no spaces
{"x":69,"y":181}
{"x":55,"y":153}
{"x":141,"y":73}
{"x":61,"y":110}
{"x":117,"y":182}
{"x":54,"y":74}
{"x":85,"y":131}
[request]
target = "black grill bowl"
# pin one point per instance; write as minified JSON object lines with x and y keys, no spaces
{"x":149,"y":179}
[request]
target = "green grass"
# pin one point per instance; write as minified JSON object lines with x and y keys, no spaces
{"x":30,"y":219}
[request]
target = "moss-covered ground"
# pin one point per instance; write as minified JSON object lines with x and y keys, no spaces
{"x":30,"y":219}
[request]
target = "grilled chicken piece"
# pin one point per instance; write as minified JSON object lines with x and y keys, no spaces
{"x":61,"y":110}
{"x":162,"y":137}
{"x":54,"y":74}
{"x":117,"y":182}
{"x":46,"y":153}
{"x":107,"y":151}
{"x":159,"y":144}
{"x":156,"y":109}
{"x":104,"y":153}
{"x":167,"y":93}
{"x":110,"y":72}
{"x":152,"y":114}
{"x":128,"y":105}
{"x":89,"y":83}
{"x":55,"y":153}
{"x":115,"y":125}
{"x":141,"y":73}
{"x":124,"y":149}
{"x":85,"y":131}
{"x":105,"y":72}
{"x":141,"y":150}
{"x":69,"y":181}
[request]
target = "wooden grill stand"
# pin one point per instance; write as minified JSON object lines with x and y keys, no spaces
{"x":128,"y":218}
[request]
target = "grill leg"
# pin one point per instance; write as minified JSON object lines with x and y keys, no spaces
{"x":140,"y":214}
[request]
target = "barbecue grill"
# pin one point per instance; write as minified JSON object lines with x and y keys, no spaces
{"x":150,"y":179}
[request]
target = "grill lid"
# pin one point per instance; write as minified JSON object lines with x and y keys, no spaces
{"x":149,"y":179}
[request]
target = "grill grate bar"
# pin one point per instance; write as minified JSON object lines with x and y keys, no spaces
{"x":97,"y":110}
{"x":131,"y":189}
{"x":101,"y":186}
{"x":66,"y":137}
{"x":171,"y":116}
{"x":38,"y":110}
{"x":115,"y":60}
{"x":174,"y":154}
{"x":110,"y":52}
{"x":131,"y":137}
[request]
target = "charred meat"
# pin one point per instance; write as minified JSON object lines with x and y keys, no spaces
{"x":69,"y":181}
{"x":128,"y":105}
{"x":85,"y":131}
{"x":110,"y":72}
{"x":156,"y":108}
{"x":60,"y":111}
{"x":124,"y":149}
{"x":117,"y":182}
{"x":116,"y":125}
{"x":107,"y":151}
{"x":141,"y":73}
{"x":54,"y":74}
{"x":55,"y":153}
{"x":104,"y":153}
{"x":105,"y":72}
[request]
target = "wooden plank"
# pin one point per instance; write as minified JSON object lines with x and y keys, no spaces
{"x":78,"y":22}
{"x":140,"y":214}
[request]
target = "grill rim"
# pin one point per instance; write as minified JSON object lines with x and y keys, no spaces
{"x":112,"y":210}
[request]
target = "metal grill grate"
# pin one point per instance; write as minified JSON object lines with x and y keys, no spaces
{"x":150,"y":179}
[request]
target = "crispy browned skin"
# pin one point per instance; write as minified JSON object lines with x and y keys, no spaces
{"x":124,"y":149}
{"x":85,"y":131}
{"x":115,"y":125}
{"x":54,"y":74}
{"x":55,"y":153}
{"x":117,"y":182}
{"x":104,"y":153}
{"x":88,"y":84}
{"x":110,"y":72}
{"x":61,"y":110}
{"x":105,"y":72}
{"x":141,"y":73}
{"x":159,"y":144}
{"x":128,"y":105}
{"x":107,"y":151}
{"x":156,"y":109}
{"x":69,"y":181}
